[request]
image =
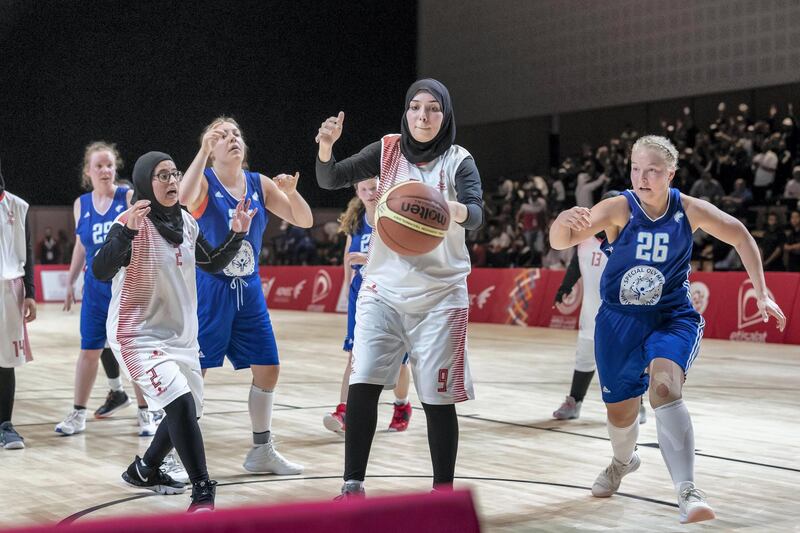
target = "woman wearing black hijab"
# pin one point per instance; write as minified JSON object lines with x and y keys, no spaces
{"x":408,"y":304}
{"x":150,"y":253}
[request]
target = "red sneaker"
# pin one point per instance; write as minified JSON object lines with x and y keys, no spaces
{"x":335,"y":421}
{"x":401,"y":417}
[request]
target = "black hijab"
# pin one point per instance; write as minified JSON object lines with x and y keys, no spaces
{"x":167,"y":220}
{"x":417,"y":152}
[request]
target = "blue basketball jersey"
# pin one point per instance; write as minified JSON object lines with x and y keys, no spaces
{"x":648,"y":264}
{"x":359,"y":242}
{"x":93,"y":227}
{"x":215,"y":223}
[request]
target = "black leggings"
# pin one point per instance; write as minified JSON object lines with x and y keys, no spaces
{"x":362,"y":419}
{"x":180,"y":429}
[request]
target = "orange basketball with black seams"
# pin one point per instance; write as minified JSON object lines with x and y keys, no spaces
{"x":412,"y":218}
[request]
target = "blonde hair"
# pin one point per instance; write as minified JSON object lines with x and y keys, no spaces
{"x":351,"y":218}
{"x":214,"y":123}
{"x":98,"y":146}
{"x":659,"y":144}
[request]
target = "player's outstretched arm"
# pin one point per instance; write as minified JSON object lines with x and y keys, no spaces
{"x":724,"y":227}
{"x":579,"y":223}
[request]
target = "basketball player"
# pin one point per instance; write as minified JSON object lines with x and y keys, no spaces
{"x":647,"y":332}
{"x":415,"y":305}
{"x":357,"y":223}
{"x":588,"y":264}
{"x":150,"y":253}
{"x":94,"y":213}
{"x":233,"y":315}
{"x":17,"y":305}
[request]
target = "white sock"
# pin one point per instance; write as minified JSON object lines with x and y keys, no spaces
{"x":401,"y":401}
{"x":259,"y":404}
{"x":676,"y":440}
{"x":115,"y":383}
{"x":623,"y":440}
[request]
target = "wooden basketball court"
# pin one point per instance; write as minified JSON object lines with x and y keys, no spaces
{"x":527,"y":471}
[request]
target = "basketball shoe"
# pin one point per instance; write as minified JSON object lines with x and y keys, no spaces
{"x":115,"y":400}
{"x":642,"y":414}
{"x":173,"y":468}
{"x":9,"y":438}
{"x":151,"y":478}
{"x":692,"y":504}
{"x":74,"y":423}
{"x":351,"y":489}
{"x":607,"y":483}
{"x":265,"y":459}
{"x":569,"y":410}
{"x":147,"y":426}
{"x":335,"y":421}
{"x":203,"y":494}
{"x":401,"y":417}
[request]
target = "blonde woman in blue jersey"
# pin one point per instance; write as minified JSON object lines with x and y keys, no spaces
{"x":647,"y":333}
{"x":94,"y":214}
{"x":232,"y":313}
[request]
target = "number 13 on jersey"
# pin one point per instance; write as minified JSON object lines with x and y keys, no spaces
{"x":652,"y":247}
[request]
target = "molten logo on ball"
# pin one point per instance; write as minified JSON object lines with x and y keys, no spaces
{"x":425,"y":213}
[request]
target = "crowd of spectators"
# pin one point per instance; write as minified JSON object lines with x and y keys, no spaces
{"x":749,"y":167}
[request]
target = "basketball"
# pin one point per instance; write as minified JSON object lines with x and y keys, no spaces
{"x":412,"y":218}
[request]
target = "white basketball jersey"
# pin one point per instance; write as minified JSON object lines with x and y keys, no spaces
{"x":13,"y":211}
{"x":591,"y":261}
{"x":438,"y":279}
{"x":154,"y":299}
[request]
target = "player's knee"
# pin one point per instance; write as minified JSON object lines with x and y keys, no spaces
{"x":664,"y":389}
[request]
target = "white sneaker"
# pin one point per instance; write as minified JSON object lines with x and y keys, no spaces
{"x":265,"y":459}
{"x":569,"y":410}
{"x":692,"y":504}
{"x":173,"y":468}
{"x":158,"y":416}
{"x":147,"y":426}
{"x":642,"y":414}
{"x":74,"y":423}
{"x":607,"y":483}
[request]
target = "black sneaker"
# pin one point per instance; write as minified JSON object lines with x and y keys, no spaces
{"x":115,"y":401}
{"x":9,"y":438}
{"x":203,"y":493}
{"x":150,"y":478}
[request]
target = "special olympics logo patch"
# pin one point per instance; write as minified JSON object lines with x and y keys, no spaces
{"x":243,"y":264}
{"x":641,"y":285}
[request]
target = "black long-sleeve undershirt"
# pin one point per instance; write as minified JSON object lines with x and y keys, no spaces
{"x":27,"y":278}
{"x":367,"y":164}
{"x":116,"y":252}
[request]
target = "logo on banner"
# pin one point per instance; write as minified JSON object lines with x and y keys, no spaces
{"x":570,"y":303}
{"x":322,"y":287}
{"x":747,"y":294}
{"x":699,"y":292}
{"x":298,"y":289}
{"x":521,"y":295}
{"x":481,"y":298}
{"x":266,"y":286}
{"x":641,"y":285}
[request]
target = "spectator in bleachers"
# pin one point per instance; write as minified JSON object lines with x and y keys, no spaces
{"x":771,"y":244}
{"x":586,"y":186}
{"x":49,"y":253}
{"x":764,"y":164}
{"x":737,"y":202}
{"x":707,"y":188}
{"x":531,"y":217}
{"x":792,"y":246}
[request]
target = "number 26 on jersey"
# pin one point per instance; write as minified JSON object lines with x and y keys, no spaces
{"x":652,"y":247}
